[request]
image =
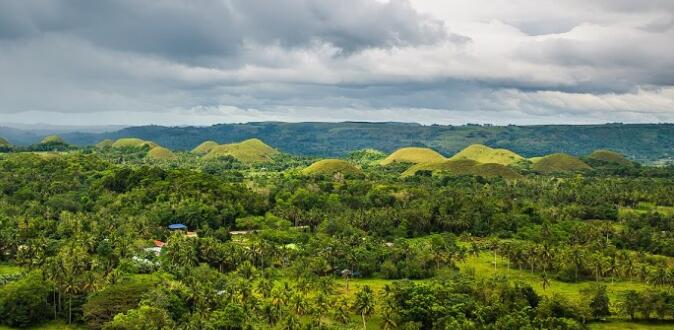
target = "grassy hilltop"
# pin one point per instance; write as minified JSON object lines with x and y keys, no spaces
{"x":559,"y":162}
{"x":484,"y":154}
{"x":329,"y":167}
{"x":412,"y":155}
{"x":249,"y":151}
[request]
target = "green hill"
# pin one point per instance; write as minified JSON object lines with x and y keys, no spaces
{"x":413,"y":155}
{"x":4,"y":143}
{"x":248,"y":151}
{"x":366,"y":156}
{"x":105,"y":143}
{"x":329,"y":167}
{"x":205,"y":147}
{"x":609,"y":157}
{"x":484,"y":154}
{"x":559,"y":162}
{"x":464,"y":167}
{"x":52,"y":139}
{"x":160,"y":153}
{"x":133,"y":143}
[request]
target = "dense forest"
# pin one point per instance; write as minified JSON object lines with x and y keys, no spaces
{"x":642,"y":142}
{"x":131,"y":235}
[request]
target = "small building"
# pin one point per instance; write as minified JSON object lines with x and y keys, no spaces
{"x":177,"y":226}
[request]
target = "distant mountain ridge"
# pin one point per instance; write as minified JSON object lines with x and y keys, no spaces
{"x":643,"y":142}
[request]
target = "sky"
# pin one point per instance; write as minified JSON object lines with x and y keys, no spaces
{"x":201,"y":62}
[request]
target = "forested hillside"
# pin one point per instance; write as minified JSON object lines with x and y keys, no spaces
{"x":644,"y":142}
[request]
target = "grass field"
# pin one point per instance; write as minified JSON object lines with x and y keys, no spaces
{"x":648,"y":207}
{"x":6,"y":269}
{"x":483,"y":266}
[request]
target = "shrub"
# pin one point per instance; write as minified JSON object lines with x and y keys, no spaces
{"x":24,"y":302}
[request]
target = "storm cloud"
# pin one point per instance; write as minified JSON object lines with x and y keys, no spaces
{"x":208,"y":61}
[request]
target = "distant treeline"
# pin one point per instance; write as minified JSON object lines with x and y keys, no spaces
{"x":642,"y":142}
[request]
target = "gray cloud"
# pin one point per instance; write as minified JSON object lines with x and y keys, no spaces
{"x":530,"y":61}
{"x":193,"y":30}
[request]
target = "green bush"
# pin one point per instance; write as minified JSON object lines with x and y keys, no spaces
{"x":101,"y":307}
{"x":24,"y":302}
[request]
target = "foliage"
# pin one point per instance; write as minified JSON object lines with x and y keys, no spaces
{"x":23,"y":302}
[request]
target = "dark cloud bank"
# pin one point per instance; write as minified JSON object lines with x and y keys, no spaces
{"x":200,"y":62}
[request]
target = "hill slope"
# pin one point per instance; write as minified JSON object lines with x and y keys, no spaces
{"x":248,"y":151}
{"x":52,"y":139}
{"x":4,"y":143}
{"x":105,"y":143}
{"x":160,"y":153}
{"x":464,"y":167}
{"x":559,"y":162}
{"x":329,"y":167}
{"x":609,"y":157}
{"x":133,"y":143}
{"x":484,"y":154}
{"x":413,"y":155}
{"x":205,"y":147}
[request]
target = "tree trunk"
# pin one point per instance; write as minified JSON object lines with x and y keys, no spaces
{"x":364,"y":324}
{"x":70,"y":309}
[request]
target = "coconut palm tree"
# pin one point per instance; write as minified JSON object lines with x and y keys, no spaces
{"x":341,"y":312}
{"x":364,"y":303}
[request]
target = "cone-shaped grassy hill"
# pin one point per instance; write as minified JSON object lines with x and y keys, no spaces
{"x":248,"y":151}
{"x":52,"y":139}
{"x":205,"y":147}
{"x":484,"y":154}
{"x":4,"y":143}
{"x":160,"y":153}
{"x":105,"y":143}
{"x":329,"y":167}
{"x":413,"y":155}
{"x":133,"y":143}
{"x":559,"y":162}
{"x":609,"y":157}
{"x":465,"y":167}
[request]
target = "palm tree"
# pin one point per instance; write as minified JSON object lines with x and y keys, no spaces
{"x":660,"y":276}
{"x":264,"y":287}
{"x":388,"y":319}
{"x":576,"y":258}
{"x":546,"y":281}
{"x":364,"y":303}
{"x":341,"y":312}
{"x":291,"y":322}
